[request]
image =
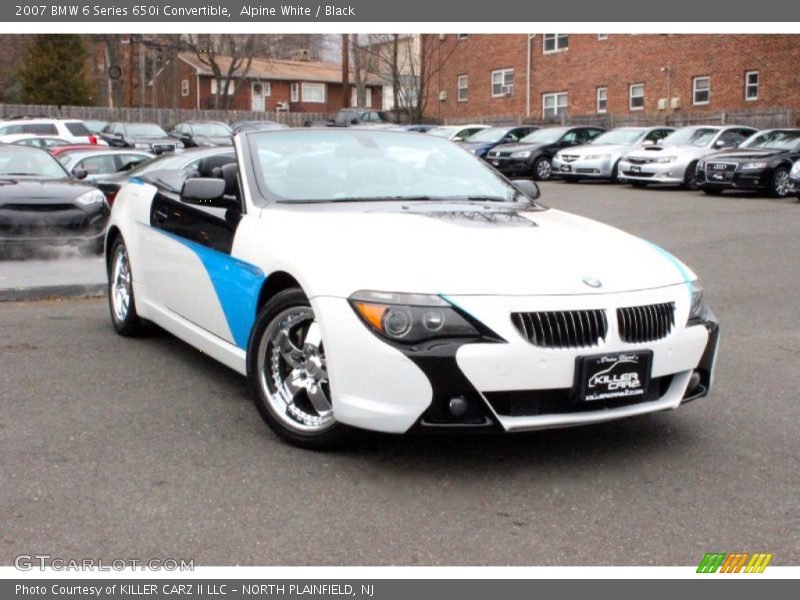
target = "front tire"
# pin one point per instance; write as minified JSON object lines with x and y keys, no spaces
{"x":690,"y":177}
{"x":779,"y":184}
{"x":288,"y":376}
{"x":542,"y":169}
{"x":121,"y":302}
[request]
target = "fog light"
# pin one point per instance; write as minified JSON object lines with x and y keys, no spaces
{"x":694,"y":381}
{"x":458,"y":406}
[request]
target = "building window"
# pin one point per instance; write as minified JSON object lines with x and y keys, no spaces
{"x":267,"y":87}
{"x":231,"y":87}
{"x":602,"y":99}
{"x":701,"y":90}
{"x":354,"y":97}
{"x":555,"y":42}
{"x":461,"y":36}
{"x":184,"y":87}
{"x":502,"y":83}
{"x":602,"y":36}
{"x":636,"y":96}
{"x":295,"y":92}
{"x":751,"y":85}
{"x":554,"y":105}
{"x":313,"y":92}
{"x":463,"y":88}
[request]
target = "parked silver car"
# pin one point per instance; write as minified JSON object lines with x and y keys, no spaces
{"x":599,"y":159}
{"x":91,"y":165}
{"x":674,"y":160}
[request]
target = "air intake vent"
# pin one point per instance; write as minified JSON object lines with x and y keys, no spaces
{"x":638,"y":324}
{"x":562,"y":329}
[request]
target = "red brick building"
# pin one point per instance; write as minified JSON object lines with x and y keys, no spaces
{"x":300,"y":85}
{"x":543,"y":76}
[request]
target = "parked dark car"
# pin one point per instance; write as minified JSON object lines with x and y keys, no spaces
{"x":483,"y":141}
{"x":348,"y":117}
{"x":761,"y":163}
{"x":143,"y":136}
{"x":532,"y":155}
{"x":199,"y":134}
{"x":187,"y":161}
{"x":240,"y":126}
{"x":40,"y":204}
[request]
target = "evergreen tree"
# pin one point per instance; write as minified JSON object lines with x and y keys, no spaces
{"x":54,"y":71}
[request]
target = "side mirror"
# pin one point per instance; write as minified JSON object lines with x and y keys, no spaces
{"x":205,"y":191}
{"x":720,"y":144}
{"x":526,"y":187}
{"x":649,"y":143}
{"x":79,"y":173}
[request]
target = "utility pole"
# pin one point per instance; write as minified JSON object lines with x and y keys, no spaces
{"x":345,"y":70}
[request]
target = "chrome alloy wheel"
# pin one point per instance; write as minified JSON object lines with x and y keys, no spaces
{"x":544,"y":169}
{"x":292,"y":371}
{"x":781,"y":184}
{"x":121,"y":284}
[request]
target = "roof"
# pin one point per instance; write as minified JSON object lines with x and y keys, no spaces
{"x":278,"y":69}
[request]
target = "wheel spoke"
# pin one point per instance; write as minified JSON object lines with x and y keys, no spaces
{"x":289,"y":350}
{"x":313,"y":337}
{"x":318,"y":399}
{"x":294,"y":382}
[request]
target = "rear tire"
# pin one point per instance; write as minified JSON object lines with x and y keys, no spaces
{"x":287,"y":373}
{"x":121,"y":302}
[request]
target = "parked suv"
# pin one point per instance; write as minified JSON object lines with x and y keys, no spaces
{"x":142,"y":136}
{"x":71,"y":130}
{"x":532,"y":155}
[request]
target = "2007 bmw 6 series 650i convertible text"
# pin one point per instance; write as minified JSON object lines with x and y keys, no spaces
{"x":391,"y":281}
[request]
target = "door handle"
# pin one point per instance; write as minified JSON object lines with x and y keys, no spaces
{"x":161,"y":215}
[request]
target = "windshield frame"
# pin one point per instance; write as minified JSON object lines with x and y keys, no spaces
{"x":261,"y":197}
{"x":717,"y":131}
{"x":794,"y":148}
{"x":527,"y":139}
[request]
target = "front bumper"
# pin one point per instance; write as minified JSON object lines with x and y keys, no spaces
{"x":669,"y":173}
{"x":600,"y":168}
{"x":32,"y":224}
{"x":740,"y":180}
{"x":511,"y":167}
{"x":510,"y":385}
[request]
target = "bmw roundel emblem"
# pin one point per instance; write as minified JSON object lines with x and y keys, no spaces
{"x":592,"y":281}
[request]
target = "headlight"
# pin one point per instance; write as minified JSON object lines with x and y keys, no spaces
{"x":472,"y":151}
{"x":752,"y":166}
{"x":410,"y":318}
{"x":696,"y":308}
{"x":796,"y":169}
{"x":666,"y":159}
{"x":521,"y":154}
{"x":91,"y":198}
{"x":597,"y":156}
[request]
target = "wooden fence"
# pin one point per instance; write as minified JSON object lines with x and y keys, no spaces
{"x":166,"y":117}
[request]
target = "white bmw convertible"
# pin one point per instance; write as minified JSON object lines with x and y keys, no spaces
{"x":393,"y":282}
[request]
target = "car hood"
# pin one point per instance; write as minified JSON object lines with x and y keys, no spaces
{"x":596,"y":149}
{"x":676,"y":150}
{"x":17,"y":189}
{"x":748,"y":154}
{"x":464,"y":249}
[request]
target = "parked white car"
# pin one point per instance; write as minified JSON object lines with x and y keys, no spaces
{"x":674,"y":160}
{"x":391,"y":281}
{"x":457,"y":133}
{"x":600,"y":158}
{"x":72,"y":130}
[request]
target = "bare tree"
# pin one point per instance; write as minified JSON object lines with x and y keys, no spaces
{"x":228,"y":56}
{"x":363,"y":61}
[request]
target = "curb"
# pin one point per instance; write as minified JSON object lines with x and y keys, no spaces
{"x":53,"y":292}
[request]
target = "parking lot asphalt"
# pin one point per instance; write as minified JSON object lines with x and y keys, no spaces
{"x":146,"y":448}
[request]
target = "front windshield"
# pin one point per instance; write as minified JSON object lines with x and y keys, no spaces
{"x":23,"y":162}
{"x":544,"y":136}
{"x":444,"y":132}
{"x":211,"y":129}
{"x":776,"y":139}
{"x":690,"y":136}
{"x":141,"y":130}
{"x":624,"y":137}
{"x":490,"y":136}
{"x":353,"y":165}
